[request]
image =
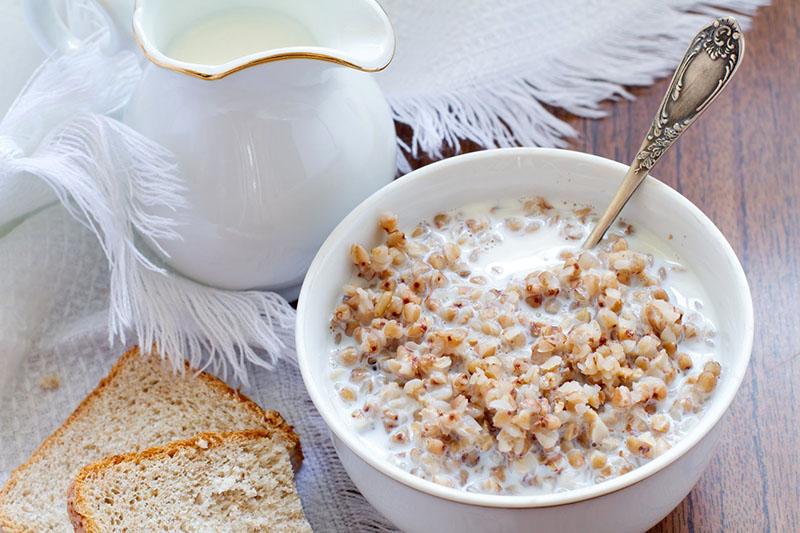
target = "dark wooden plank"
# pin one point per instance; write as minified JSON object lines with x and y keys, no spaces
{"x":740,"y":165}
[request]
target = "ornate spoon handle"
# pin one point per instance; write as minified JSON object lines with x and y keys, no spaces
{"x":706,"y":68}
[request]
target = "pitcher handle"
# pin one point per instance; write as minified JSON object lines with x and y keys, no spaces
{"x":50,"y":32}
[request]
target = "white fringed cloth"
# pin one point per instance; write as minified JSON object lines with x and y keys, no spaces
{"x":76,"y":284}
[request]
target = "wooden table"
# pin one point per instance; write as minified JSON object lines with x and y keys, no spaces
{"x":741,"y":165}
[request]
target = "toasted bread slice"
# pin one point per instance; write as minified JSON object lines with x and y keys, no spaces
{"x":139,"y":405}
{"x":240,"y":481}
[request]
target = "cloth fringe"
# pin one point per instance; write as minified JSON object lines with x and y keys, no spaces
{"x":108,"y":177}
{"x":496,"y":111}
{"x":212,"y":328}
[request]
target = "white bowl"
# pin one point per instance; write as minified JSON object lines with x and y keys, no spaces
{"x":631,"y":502}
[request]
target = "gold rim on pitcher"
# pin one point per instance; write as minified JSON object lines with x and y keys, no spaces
{"x":155,"y":56}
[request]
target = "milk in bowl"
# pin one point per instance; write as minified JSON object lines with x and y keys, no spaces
{"x":484,"y":350}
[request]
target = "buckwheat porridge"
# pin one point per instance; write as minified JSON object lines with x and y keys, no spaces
{"x":483,"y":350}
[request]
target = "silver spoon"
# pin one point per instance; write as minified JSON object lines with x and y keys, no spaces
{"x":706,"y":68}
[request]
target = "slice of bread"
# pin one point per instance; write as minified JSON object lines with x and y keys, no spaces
{"x":139,"y":405}
{"x":241,"y":481}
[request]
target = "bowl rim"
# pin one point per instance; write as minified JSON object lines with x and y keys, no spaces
{"x":346,"y":435}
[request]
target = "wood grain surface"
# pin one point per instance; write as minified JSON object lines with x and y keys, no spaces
{"x":740,"y":164}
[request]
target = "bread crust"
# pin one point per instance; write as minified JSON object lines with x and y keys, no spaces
{"x":83,"y":522}
{"x":272,"y":418}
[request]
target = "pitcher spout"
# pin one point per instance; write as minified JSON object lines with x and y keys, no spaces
{"x":211,"y":40}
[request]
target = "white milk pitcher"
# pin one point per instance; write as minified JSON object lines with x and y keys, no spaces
{"x":277,"y":125}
